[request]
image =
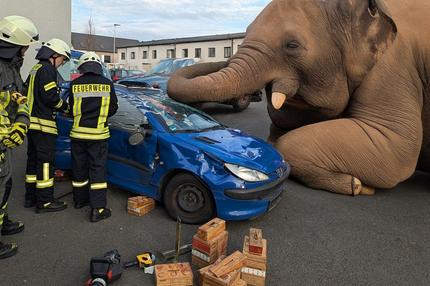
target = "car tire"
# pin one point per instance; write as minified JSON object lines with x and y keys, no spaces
{"x":241,"y":103}
{"x":185,"y":196}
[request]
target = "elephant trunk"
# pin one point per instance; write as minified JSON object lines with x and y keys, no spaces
{"x":246,"y":73}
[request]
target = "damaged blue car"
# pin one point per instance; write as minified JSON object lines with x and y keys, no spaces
{"x":185,"y":159}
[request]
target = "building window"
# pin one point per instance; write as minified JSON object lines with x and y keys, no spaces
{"x":198,"y":53}
{"x":170,"y":53}
{"x":107,"y":59}
{"x":133,"y":55}
{"x":185,"y":53}
{"x":227,"y":52}
{"x":145,"y":54}
{"x":122,"y":56}
{"x":211,"y":52}
{"x":154,"y":54}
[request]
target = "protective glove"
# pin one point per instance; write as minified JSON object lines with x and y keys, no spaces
{"x":16,"y":135}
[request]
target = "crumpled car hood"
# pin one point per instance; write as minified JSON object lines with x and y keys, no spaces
{"x":233,"y":146}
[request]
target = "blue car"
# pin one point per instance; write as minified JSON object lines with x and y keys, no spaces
{"x":184,"y":158}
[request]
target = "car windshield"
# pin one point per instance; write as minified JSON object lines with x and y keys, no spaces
{"x":164,"y":67}
{"x":177,"y":116}
{"x":170,"y":66}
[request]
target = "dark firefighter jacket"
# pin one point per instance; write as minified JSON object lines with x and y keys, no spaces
{"x":44,"y":97}
{"x":10,"y":81}
{"x":92,"y":101}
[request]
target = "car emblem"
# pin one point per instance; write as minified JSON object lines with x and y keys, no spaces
{"x":279,"y":172}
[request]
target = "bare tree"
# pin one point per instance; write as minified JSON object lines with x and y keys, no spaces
{"x":91,"y":30}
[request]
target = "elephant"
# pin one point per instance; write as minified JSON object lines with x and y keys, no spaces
{"x":347,"y":82}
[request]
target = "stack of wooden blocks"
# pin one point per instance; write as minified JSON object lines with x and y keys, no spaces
{"x":139,"y":206}
{"x":255,"y":251}
{"x":209,"y":243}
{"x":177,"y":274}
{"x":224,"y":272}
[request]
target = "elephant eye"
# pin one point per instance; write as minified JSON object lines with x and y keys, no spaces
{"x":292,"y":45}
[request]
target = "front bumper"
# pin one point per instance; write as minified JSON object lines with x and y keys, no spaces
{"x":266,"y":192}
{"x":239,"y":204}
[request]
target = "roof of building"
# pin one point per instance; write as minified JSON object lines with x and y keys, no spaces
{"x":188,"y":40}
{"x":99,"y":43}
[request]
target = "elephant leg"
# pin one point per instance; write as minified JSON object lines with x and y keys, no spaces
{"x":346,"y":156}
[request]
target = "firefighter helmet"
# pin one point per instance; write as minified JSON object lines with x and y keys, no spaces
{"x":18,"y":30}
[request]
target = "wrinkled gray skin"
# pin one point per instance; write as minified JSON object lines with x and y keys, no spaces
{"x":351,"y":65}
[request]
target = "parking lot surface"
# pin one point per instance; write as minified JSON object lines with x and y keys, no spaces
{"x":314,"y":237}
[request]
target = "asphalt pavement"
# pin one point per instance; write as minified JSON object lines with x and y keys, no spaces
{"x":314,"y":237}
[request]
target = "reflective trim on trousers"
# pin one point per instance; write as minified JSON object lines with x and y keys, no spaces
{"x":30,"y":179}
{"x":79,"y":184}
{"x":45,"y":184}
{"x":98,"y":186}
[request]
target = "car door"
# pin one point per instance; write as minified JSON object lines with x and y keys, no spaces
{"x":131,"y":166}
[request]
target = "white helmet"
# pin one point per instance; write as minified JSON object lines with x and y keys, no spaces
{"x":18,"y":30}
{"x":88,"y":57}
{"x":59,"y":46}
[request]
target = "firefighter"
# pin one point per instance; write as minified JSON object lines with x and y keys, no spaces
{"x":92,"y":101}
{"x":16,"y":35}
{"x":44,"y":102}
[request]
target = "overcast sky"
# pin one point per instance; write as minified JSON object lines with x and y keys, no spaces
{"x":161,"y":19}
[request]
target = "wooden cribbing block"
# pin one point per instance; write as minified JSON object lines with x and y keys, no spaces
{"x":255,"y":241}
{"x":211,"y":229}
{"x":254,"y":277}
{"x":252,"y":260}
{"x":240,"y":282}
{"x":204,"y":270}
{"x":229,"y":279}
{"x":177,"y":274}
{"x":205,"y":253}
{"x":140,"y":205}
{"x":231,"y":263}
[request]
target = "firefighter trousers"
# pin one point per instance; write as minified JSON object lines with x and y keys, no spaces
{"x":39,"y":179}
{"x":89,"y":159}
{"x":5,"y":183}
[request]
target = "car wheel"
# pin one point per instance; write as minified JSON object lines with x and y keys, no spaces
{"x":189,"y":199}
{"x":241,"y":103}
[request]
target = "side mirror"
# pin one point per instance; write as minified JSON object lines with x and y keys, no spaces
{"x":136,"y":138}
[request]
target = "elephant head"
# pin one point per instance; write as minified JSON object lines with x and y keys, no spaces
{"x":309,"y":54}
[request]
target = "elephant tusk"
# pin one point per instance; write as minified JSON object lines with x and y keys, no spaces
{"x":278,"y":99}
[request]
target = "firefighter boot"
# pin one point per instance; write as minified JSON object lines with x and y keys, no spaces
{"x":11,"y":227}
{"x":100,"y":214}
{"x":54,"y":206}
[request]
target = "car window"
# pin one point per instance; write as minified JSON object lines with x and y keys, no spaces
{"x":128,"y":115}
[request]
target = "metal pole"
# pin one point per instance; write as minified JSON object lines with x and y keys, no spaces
{"x":114,"y":42}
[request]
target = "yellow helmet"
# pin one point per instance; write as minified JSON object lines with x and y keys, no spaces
{"x":18,"y":30}
{"x":59,"y":46}
{"x":89,"y":57}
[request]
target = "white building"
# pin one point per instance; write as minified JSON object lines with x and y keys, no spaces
{"x":51,"y":17}
{"x":208,"y":48}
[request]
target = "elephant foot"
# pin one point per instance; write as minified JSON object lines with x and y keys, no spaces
{"x":359,"y":189}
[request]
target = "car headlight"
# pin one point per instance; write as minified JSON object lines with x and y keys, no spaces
{"x":246,"y":174}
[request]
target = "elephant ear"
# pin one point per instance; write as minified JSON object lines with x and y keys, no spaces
{"x":373,"y":31}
